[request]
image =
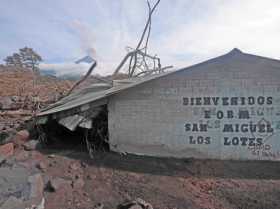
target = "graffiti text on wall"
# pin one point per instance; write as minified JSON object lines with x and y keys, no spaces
{"x":244,"y":131}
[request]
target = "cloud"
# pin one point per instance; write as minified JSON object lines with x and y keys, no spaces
{"x":183,"y":31}
{"x":249,"y":25}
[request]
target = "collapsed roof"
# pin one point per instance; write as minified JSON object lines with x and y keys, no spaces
{"x":83,"y":101}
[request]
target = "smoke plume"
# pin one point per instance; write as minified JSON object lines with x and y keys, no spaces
{"x":86,"y":35}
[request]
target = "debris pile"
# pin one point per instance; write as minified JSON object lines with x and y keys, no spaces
{"x":17,"y":83}
{"x":19,"y":98}
{"x":62,"y":178}
{"x":29,"y":179}
{"x":88,"y":129}
{"x":22,"y":187}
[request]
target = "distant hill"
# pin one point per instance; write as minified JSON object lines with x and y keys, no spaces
{"x":48,"y":72}
{"x":66,"y":76}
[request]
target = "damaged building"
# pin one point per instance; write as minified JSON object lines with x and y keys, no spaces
{"x":224,"y":108}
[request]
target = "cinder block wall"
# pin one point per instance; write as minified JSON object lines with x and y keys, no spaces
{"x":158,"y":119}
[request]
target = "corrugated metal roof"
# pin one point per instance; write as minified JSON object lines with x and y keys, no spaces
{"x":78,"y":98}
{"x":83,"y":97}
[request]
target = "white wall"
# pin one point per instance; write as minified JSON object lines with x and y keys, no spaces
{"x":151,"y":119}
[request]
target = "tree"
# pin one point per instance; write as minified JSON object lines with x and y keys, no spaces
{"x":17,"y":59}
{"x":30,"y":59}
{"x":14,"y":60}
{"x":9,"y":61}
{"x":26,"y":57}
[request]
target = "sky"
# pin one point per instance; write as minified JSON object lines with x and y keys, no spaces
{"x":184,"y":32}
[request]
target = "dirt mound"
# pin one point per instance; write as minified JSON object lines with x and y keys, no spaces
{"x":19,"y":82}
{"x":73,"y":180}
{"x":20,"y":96}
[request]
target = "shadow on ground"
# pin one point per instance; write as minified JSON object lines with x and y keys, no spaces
{"x":176,"y":167}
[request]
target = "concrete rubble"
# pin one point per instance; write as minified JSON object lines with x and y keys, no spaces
{"x":31,"y":145}
{"x":7,"y":150}
{"x":21,"y":136}
{"x":42,"y":166}
{"x":18,"y":187}
{"x":21,"y":186}
{"x":10,"y":123}
{"x":25,"y":184}
{"x":10,"y":102}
